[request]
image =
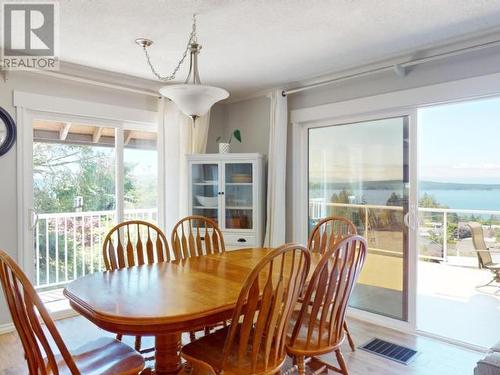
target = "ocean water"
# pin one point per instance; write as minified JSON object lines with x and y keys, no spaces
{"x":462,"y":199}
{"x":467,"y":199}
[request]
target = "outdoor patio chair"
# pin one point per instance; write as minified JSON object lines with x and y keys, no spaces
{"x":483,"y":253}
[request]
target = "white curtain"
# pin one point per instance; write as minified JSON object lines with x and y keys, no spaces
{"x":178,"y":142}
{"x":191,"y":141}
{"x":276,"y":171}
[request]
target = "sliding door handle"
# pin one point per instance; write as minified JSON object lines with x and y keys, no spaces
{"x":33,"y":218}
{"x":411,"y":218}
{"x":406,"y":219}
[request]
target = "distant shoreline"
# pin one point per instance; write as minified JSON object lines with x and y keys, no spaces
{"x":423,"y":185}
{"x":451,"y":195}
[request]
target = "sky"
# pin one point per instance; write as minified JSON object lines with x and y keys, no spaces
{"x":365,"y":151}
{"x":460,"y":142}
{"x":457,"y":142}
{"x":145,"y":160}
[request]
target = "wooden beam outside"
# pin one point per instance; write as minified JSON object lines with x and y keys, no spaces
{"x":127,"y":136}
{"x":97,"y":134}
{"x":63,"y":132}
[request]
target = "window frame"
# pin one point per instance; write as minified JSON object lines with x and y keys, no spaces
{"x":32,"y":106}
{"x":395,"y":103}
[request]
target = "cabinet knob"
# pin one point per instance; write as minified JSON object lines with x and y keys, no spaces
{"x":242,"y":240}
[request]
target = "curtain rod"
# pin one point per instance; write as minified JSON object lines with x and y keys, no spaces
{"x":399,"y":69}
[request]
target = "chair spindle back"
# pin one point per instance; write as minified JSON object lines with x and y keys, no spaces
{"x":28,"y":313}
{"x":328,"y":292}
{"x":195,"y":236}
{"x":264,"y":307}
{"x":328,"y":232}
{"x":134,"y":243}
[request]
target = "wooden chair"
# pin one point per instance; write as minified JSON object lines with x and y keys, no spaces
{"x":134,"y":243}
{"x":254,"y":343}
{"x":483,"y":253}
{"x":328,"y":232}
{"x":319,"y":325}
{"x":195,"y":236}
{"x":103,"y":356}
{"x":324,"y":236}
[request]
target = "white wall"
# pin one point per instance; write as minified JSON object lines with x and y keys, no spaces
{"x":250,"y":116}
{"x":34,"y":83}
{"x":459,"y":67}
{"x":218,"y":120}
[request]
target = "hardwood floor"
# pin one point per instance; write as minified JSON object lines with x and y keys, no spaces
{"x":434,"y":357}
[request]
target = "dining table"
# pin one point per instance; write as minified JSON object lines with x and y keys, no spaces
{"x":166,"y":299}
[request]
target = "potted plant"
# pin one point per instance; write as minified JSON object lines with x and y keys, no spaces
{"x":225,"y":147}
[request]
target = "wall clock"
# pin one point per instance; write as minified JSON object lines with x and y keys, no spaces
{"x":7,"y":131}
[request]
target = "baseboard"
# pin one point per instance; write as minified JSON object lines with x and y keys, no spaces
{"x":463,"y":344}
{"x":6,"y":328}
{"x":63,"y":314}
{"x":379,"y":320}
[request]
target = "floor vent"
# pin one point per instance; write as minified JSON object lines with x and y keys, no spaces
{"x":394,"y":352}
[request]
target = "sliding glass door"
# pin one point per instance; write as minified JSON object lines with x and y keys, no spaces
{"x":360,"y":171}
{"x":86,"y":178}
{"x":459,"y":189}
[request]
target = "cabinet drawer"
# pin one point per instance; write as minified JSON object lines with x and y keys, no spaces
{"x":243,"y":240}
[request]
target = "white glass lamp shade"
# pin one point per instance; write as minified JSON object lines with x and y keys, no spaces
{"x":194,"y":100}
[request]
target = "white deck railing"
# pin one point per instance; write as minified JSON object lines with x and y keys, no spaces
{"x":432,"y":222}
{"x":68,"y":245}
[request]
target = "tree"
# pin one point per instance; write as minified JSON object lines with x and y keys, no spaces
{"x":389,"y":219}
{"x":62,"y":172}
{"x":437,"y":236}
{"x":429,"y":201}
{"x":341,"y":197}
{"x":395,"y":200}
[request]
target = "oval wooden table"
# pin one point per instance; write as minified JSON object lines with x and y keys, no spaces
{"x":165,"y":299}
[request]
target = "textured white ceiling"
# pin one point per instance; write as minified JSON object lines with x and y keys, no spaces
{"x":252,"y":45}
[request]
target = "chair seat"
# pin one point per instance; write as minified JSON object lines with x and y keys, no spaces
{"x":104,"y":356}
{"x":301,"y":346}
{"x":207,"y":351}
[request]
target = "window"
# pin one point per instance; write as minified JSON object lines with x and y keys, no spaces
{"x":140,"y":162}
{"x":81,"y":182}
{"x":459,"y":183}
{"x":359,"y":171}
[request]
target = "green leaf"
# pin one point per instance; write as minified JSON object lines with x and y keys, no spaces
{"x":237,"y":135}
{"x":218,"y":138}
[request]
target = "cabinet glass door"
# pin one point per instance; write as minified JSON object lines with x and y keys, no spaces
{"x":239,"y":195}
{"x":205,"y":190}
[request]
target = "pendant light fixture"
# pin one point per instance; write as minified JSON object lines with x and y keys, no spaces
{"x":192,"y":98}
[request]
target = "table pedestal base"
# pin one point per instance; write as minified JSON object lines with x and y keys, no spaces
{"x":167,"y":356}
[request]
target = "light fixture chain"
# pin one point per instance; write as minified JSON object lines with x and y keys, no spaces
{"x":192,"y":39}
